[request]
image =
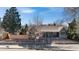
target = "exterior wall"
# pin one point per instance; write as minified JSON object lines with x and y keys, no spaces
{"x":77,"y":27}
{"x":62,"y":35}
{"x":1,"y":32}
{"x":50,"y":36}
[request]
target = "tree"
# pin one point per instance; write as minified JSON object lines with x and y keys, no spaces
{"x":71,"y":33}
{"x":37,"y":20}
{"x":71,"y":13}
{"x":26,"y":27}
{"x":0,"y":22}
{"x":23,"y":30}
{"x":11,"y":20}
{"x":32,"y":31}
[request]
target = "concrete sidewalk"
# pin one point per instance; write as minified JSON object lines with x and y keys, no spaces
{"x":72,"y":47}
{"x":10,"y":46}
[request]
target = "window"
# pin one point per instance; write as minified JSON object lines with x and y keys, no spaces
{"x":62,"y":33}
{"x":50,"y":34}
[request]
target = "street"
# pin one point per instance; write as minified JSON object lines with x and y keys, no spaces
{"x":56,"y":45}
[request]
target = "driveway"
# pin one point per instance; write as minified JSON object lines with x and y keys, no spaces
{"x":66,"y":44}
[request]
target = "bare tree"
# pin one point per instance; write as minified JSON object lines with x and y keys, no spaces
{"x":37,"y":20}
{"x":71,"y":12}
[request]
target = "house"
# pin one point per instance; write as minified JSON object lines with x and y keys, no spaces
{"x":77,"y":27}
{"x":19,"y":37}
{"x":51,"y":31}
{"x":2,"y":31}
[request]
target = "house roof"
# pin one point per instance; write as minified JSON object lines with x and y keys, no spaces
{"x":50,"y":28}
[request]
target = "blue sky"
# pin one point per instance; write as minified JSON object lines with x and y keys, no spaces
{"x":47,"y":14}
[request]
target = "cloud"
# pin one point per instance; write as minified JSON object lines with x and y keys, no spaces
{"x":27,"y":10}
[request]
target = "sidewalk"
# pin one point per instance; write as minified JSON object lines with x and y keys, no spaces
{"x":10,"y":46}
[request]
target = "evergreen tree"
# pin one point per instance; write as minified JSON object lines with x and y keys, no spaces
{"x":11,"y":20}
{"x":26,"y":27}
{"x":72,"y":30}
{"x":24,"y":30}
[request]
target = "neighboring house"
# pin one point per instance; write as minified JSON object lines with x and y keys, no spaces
{"x":77,"y":27}
{"x":52,"y":31}
{"x":19,"y":37}
{"x":2,"y":31}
